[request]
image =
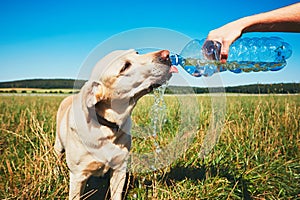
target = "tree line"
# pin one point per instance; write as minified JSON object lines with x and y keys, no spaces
{"x":44,"y":84}
{"x":282,"y":88}
{"x":278,"y":88}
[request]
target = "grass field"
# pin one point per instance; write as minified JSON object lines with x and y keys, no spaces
{"x":257,"y":156}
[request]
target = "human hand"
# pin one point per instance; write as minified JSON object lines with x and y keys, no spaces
{"x":225,"y":35}
{"x":285,"y":19}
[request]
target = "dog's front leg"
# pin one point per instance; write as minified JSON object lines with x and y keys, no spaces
{"x":117,"y":181}
{"x":77,"y":184}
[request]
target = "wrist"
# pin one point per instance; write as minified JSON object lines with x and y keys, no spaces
{"x":245,"y":23}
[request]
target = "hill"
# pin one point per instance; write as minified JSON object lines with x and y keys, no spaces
{"x":44,"y":84}
{"x":278,"y":88}
{"x":282,"y":88}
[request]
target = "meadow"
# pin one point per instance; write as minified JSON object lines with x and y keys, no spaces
{"x":257,"y":155}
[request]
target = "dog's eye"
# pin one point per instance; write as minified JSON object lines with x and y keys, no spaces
{"x":126,"y":66}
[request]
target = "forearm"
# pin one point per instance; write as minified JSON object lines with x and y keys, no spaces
{"x":286,"y":19}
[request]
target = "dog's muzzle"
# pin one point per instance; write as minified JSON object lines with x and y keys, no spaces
{"x":163,"y":57}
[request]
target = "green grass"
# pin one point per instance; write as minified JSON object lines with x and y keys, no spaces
{"x":257,"y":156}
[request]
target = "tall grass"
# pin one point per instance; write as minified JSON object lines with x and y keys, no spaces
{"x":29,"y":168}
{"x":257,"y":156}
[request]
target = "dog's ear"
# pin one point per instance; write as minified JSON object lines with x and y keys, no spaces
{"x":96,"y":93}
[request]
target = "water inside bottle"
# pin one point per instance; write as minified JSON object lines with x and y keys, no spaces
{"x":201,"y":57}
{"x":234,"y":66}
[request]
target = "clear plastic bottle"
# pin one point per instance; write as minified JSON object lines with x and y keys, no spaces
{"x":201,"y":58}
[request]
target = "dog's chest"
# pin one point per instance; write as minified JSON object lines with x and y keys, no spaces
{"x":106,"y":147}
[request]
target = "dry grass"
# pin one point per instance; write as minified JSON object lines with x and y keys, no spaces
{"x":257,"y":156}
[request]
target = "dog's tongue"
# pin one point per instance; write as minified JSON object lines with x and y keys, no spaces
{"x":173,"y":69}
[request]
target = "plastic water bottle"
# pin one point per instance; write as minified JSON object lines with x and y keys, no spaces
{"x":201,"y":58}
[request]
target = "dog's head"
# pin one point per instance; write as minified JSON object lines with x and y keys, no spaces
{"x":123,"y":77}
{"x":127,"y":74}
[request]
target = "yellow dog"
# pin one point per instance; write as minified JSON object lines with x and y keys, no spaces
{"x":93,"y":126}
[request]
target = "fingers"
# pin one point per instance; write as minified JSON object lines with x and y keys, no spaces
{"x":225,"y":44}
{"x":224,"y":51}
{"x":226,"y":35}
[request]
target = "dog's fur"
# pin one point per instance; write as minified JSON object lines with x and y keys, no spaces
{"x":93,"y":126}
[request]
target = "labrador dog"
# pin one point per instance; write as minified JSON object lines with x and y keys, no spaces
{"x":93,"y":126}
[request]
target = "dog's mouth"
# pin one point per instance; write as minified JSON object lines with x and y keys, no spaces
{"x":156,"y":85}
{"x":151,"y":87}
{"x":146,"y":91}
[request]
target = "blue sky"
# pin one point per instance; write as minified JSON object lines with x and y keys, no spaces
{"x":52,"y":39}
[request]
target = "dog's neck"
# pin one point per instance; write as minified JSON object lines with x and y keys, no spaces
{"x":112,"y":125}
{"x":114,"y":113}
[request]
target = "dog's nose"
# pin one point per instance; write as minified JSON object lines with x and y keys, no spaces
{"x":164,"y":54}
{"x":163,"y":57}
